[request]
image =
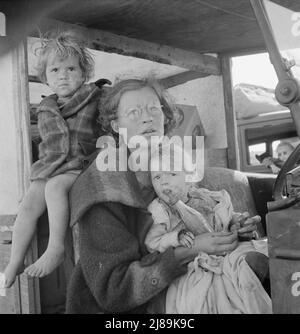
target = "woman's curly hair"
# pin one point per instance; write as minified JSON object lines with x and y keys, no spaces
{"x":108,"y":106}
{"x":64,"y":44}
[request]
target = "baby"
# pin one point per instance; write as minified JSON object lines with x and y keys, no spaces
{"x":214,"y":283}
{"x":183,"y":210}
{"x":66,"y":123}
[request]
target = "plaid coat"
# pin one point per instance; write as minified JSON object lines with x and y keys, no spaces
{"x":68,"y":133}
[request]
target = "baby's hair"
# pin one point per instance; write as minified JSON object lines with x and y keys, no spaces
{"x":64,"y":44}
{"x":285,"y":143}
{"x":171,"y":155}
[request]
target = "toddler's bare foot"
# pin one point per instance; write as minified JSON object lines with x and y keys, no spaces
{"x":11,"y":272}
{"x":50,"y":260}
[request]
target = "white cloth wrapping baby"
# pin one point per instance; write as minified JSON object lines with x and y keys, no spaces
{"x":218,"y":285}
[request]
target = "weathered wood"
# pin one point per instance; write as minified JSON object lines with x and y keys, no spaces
{"x":199,"y":26}
{"x":231,"y":125}
{"x":168,"y":82}
{"x":284,"y":234}
{"x":181,"y":78}
{"x":34,"y":78}
{"x":29,"y":288}
{"x":111,"y":43}
{"x":7,"y":303}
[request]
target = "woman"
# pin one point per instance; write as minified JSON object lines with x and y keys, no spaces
{"x":115,"y":273}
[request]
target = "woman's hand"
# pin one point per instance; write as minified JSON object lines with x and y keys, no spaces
{"x":245,"y":225}
{"x":216,"y":243}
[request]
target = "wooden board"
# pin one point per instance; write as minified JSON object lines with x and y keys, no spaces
{"x":231,"y":123}
{"x":201,"y":26}
{"x":8,"y":303}
{"x":283,"y":230}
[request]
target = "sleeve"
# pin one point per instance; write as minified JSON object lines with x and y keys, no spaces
{"x":160,"y":238}
{"x":118,"y":276}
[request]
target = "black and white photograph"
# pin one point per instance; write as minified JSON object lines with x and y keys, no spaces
{"x":149,"y":159}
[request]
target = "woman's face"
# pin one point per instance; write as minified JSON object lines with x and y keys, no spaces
{"x":140,"y":113}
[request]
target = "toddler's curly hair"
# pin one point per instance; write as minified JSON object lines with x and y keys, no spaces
{"x":64,"y":44}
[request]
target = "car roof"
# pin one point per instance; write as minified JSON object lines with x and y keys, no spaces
{"x":208,"y":26}
{"x":211,"y":26}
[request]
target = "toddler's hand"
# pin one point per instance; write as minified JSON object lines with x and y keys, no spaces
{"x":248,"y":229}
{"x":186,"y":238}
{"x":245,"y":225}
{"x":238,"y":220}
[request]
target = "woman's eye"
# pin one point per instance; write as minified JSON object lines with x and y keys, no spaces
{"x":157,"y":177}
{"x":154,"y":109}
{"x":71,"y":68}
{"x":133,"y":112}
{"x":54,"y":69}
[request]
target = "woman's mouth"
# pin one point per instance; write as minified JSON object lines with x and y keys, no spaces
{"x":149,"y":131}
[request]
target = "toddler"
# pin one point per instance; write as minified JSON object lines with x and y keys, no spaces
{"x":213,"y":284}
{"x":68,"y":131}
{"x":182,"y":210}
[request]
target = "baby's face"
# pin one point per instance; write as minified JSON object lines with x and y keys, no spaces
{"x":64,"y":76}
{"x":166,"y":181}
{"x":283,"y":152}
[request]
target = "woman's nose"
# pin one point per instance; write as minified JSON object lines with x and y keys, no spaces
{"x":146,"y":115}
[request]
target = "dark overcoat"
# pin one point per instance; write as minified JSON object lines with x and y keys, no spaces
{"x":115,"y":274}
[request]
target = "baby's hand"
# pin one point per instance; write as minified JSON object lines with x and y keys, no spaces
{"x":238,"y":220}
{"x":186,"y":238}
{"x":245,"y":225}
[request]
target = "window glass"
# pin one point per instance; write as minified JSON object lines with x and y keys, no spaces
{"x":254,"y":150}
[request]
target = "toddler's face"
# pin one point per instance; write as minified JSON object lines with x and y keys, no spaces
{"x":169,"y":181}
{"x":283,"y":152}
{"x":64,"y":76}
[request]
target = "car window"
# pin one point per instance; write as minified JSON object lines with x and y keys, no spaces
{"x":255,"y":151}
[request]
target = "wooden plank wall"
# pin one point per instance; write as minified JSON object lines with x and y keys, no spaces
{"x":231,"y":124}
{"x":111,"y":43}
{"x":9,"y":304}
{"x":28,"y":287}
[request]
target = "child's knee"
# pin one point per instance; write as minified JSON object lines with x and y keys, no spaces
{"x":55,"y":187}
{"x":33,"y":202}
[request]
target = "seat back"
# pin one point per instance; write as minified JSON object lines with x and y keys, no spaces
{"x":237,"y":185}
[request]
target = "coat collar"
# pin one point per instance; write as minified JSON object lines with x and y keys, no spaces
{"x":93,"y":187}
{"x":80,"y":99}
